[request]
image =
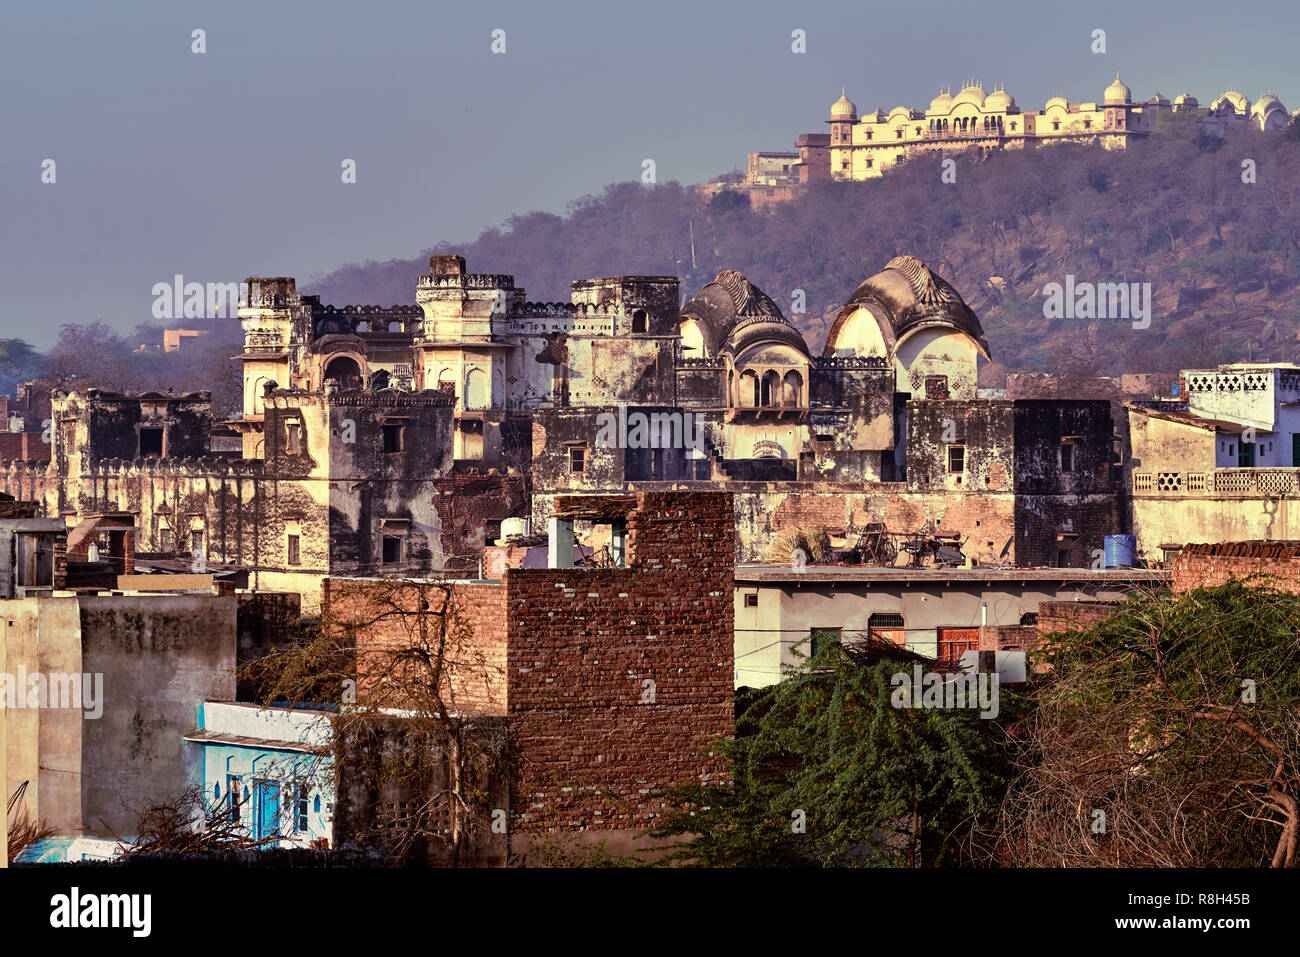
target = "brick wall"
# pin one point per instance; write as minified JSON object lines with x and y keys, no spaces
{"x":387,"y":615}
{"x":620,"y":678}
{"x":617,"y":681}
{"x":1275,"y":564}
{"x":466,"y":501}
{"x":124,"y":564}
{"x":1008,"y":637}
{"x":1072,"y":615}
{"x":24,"y":447}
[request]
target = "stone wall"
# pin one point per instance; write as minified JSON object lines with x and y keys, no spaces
{"x":160,"y":655}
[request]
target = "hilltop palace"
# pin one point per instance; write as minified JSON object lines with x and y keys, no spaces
{"x":862,"y":146}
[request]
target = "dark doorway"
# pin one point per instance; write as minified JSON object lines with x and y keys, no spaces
{"x":151,"y":443}
{"x":345,"y":372}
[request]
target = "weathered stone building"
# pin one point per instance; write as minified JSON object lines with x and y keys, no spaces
{"x":882,"y":426}
{"x":393,"y":441}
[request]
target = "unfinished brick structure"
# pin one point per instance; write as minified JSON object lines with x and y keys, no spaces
{"x":1271,"y":564}
{"x":617,"y":681}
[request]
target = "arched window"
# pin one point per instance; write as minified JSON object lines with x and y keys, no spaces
{"x":771,"y":389}
{"x":792,"y":390}
{"x":345,"y":371}
{"x":477,"y":391}
{"x":748,"y":389}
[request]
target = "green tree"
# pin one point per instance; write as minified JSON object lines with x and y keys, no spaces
{"x":829,"y":772}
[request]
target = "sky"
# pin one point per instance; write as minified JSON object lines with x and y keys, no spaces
{"x":229,"y":163}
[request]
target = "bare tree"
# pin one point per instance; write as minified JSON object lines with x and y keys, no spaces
{"x":1166,"y":737}
{"x":24,"y":830}
{"x":418,"y":745}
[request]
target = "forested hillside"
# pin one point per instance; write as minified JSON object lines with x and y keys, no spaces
{"x":1222,"y":254}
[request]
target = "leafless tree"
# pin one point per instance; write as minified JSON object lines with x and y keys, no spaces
{"x":418,"y":748}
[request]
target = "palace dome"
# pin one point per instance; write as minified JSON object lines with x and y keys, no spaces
{"x":1117,"y":92}
{"x":1000,"y":101}
{"x":843,"y":108}
{"x":1268,"y":103}
{"x":972,"y":93}
{"x":1234,"y":99}
{"x":941,"y":103}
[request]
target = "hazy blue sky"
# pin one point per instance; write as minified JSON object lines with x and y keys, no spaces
{"x":226,"y":164}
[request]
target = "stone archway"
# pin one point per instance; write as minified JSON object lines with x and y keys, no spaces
{"x":345,"y":370}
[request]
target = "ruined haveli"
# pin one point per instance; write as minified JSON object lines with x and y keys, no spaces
{"x":394,"y":441}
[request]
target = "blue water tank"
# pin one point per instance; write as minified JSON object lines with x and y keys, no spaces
{"x":1121,"y":551}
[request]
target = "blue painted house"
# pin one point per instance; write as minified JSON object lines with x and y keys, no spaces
{"x":269,"y":769}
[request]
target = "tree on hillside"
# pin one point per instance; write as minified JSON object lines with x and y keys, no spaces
{"x":1155,"y":212}
{"x":92,"y":355}
{"x":19,"y":362}
{"x":828,"y":772}
{"x":1168,"y":736}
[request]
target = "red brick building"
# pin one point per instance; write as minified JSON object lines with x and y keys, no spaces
{"x":615,"y":682}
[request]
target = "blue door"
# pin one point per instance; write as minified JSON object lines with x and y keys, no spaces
{"x":266,"y":803}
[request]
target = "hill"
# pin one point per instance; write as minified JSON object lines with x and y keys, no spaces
{"x":1222,"y":254}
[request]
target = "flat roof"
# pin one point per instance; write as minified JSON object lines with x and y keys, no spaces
{"x":200,"y":736}
{"x":880,"y":573}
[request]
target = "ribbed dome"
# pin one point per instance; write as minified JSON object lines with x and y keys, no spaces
{"x":735,"y":315}
{"x":843,"y":108}
{"x":1117,"y":92}
{"x":912,"y":296}
{"x":1268,"y":103}
{"x":1233,"y":99}
{"x":1000,"y":100}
